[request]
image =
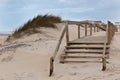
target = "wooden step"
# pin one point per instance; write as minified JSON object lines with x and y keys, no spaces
{"x":86,"y":51}
{"x":69,"y":61}
{"x":84,"y":42}
{"x":71,"y":56}
{"x":86,"y":47}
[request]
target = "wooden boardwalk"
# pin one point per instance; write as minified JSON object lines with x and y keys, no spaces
{"x":90,"y":48}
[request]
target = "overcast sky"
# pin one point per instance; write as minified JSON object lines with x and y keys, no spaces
{"x":14,"y":13}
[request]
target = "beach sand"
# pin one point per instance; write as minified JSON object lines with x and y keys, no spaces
{"x":30,"y":61}
{"x":2,"y":39}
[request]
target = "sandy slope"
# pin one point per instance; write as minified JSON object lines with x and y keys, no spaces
{"x":31,"y":60}
{"x":92,"y":71}
{"x":2,"y":39}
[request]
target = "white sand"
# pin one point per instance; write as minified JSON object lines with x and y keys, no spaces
{"x":31,"y":61}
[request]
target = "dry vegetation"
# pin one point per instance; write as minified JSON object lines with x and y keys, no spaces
{"x":32,"y":25}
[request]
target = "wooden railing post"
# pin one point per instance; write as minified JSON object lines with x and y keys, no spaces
{"x":78,"y":31}
{"x":104,"y":64}
{"x":85,"y":29}
{"x":108,"y":36}
{"x":67,"y":34}
{"x":51,"y":66}
{"x":90,"y":29}
{"x":103,"y":58}
{"x":97,"y":29}
{"x":110,"y":31}
{"x":94,"y":29}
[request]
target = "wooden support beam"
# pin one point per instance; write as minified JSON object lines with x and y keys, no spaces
{"x":78,"y":31}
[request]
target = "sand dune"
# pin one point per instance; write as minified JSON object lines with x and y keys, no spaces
{"x":31,"y":60}
{"x":2,"y":38}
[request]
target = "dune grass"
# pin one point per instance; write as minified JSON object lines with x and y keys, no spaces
{"x":32,"y":25}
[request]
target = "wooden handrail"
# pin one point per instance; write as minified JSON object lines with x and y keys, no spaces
{"x":98,"y":26}
{"x":60,"y":39}
{"x":57,"y":48}
{"x":80,"y":23}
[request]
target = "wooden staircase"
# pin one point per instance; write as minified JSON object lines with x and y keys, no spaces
{"x":84,"y":52}
{"x":88,"y":48}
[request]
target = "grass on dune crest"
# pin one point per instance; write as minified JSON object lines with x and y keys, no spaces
{"x":32,"y":25}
